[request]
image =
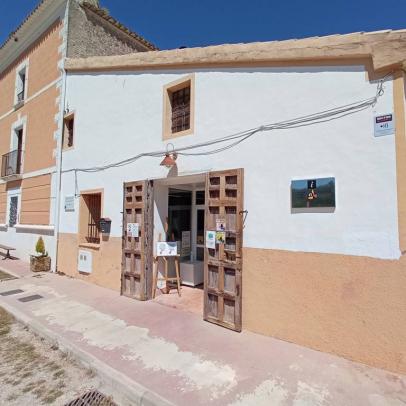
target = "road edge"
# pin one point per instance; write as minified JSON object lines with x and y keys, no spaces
{"x":124,"y":390}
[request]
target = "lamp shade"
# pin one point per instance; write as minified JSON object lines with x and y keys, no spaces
{"x":168,"y":161}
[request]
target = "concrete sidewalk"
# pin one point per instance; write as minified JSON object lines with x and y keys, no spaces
{"x":163,"y":355}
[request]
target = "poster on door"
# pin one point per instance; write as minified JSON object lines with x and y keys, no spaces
{"x":220,"y":225}
{"x":185,"y":244}
{"x":133,"y":230}
{"x":220,"y":237}
{"x":211,"y":240}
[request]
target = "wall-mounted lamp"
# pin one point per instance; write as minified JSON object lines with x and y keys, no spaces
{"x":170,"y":157}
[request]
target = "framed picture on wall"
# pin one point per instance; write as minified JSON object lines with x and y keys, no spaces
{"x":313,"y":193}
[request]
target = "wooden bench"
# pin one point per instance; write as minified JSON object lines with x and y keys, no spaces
{"x":8,"y":249}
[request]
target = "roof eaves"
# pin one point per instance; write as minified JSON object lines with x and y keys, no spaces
{"x":10,"y":36}
{"x":387,"y":49}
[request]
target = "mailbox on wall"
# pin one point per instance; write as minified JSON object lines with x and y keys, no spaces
{"x":105,"y":225}
{"x":313,"y":193}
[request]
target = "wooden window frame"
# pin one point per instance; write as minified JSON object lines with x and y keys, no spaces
{"x":186,"y":81}
{"x":68,"y":117}
{"x":84,"y":218}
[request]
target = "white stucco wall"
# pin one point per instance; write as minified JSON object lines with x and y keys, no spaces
{"x":118,"y":115}
{"x":25,"y":240}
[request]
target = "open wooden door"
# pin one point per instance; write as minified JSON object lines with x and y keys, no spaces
{"x":138,"y":207}
{"x":223,"y":264}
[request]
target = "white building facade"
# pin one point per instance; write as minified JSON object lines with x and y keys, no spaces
{"x":314,"y":274}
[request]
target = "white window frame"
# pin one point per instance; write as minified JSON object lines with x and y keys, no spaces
{"x":22,"y":67}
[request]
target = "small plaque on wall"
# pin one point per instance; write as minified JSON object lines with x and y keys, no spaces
{"x":70,"y":203}
{"x":384,"y":125}
{"x":313,"y":193}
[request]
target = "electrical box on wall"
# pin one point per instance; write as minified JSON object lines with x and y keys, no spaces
{"x":105,"y":225}
{"x":85,"y":261}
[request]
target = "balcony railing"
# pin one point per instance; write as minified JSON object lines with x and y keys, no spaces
{"x":11,"y":163}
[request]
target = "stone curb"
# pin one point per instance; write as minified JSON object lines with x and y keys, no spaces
{"x":10,"y":273}
{"x":123,"y":389}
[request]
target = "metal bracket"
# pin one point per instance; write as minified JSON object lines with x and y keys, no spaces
{"x":245,"y":214}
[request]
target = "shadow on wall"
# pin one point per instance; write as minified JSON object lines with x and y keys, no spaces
{"x":359,"y":66}
{"x":313,"y":210}
{"x":173,"y":172}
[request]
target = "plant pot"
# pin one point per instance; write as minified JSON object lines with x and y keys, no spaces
{"x":40,"y":264}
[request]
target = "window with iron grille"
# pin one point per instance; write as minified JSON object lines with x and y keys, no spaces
{"x":93,"y":212}
{"x":13,"y":211}
{"x":180,"y":105}
{"x":68,"y":131}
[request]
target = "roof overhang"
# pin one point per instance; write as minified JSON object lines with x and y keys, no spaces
{"x":386,"y":49}
{"x":36,"y":23}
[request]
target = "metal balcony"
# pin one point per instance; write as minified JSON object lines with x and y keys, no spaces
{"x":11,"y":164}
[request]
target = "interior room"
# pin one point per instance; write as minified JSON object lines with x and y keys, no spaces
{"x":179,"y":218}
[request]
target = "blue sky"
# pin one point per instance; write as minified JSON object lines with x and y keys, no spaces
{"x":174,"y":23}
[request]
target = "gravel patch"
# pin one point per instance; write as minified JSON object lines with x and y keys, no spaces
{"x":34,"y":371}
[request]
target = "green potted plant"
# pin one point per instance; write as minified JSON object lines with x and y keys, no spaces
{"x":40,"y":262}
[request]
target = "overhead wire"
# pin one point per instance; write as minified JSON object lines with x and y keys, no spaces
{"x":237,"y":138}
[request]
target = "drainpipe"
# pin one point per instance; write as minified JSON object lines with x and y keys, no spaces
{"x":59,"y":141}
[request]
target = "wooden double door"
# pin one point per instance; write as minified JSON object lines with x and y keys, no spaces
{"x":137,"y":254}
{"x":223,"y":261}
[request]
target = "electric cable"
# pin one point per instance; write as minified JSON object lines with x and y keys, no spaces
{"x":237,"y":138}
